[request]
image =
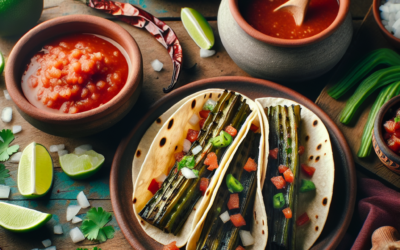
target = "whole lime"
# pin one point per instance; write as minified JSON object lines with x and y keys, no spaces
{"x":17,"y":16}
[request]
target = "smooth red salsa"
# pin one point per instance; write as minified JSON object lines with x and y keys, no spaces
{"x":261,"y":16}
{"x":391,"y":133}
{"x":75,"y":73}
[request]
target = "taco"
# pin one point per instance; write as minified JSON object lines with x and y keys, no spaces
{"x":185,"y":159}
{"x":299,"y":177}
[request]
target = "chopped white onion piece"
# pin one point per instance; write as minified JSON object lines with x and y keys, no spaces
{"x":157,"y":65}
{"x":62,"y":152}
{"x":51,"y":248}
{"x":46,"y":243}
{"x":76,"y":219}
{"x":188,"y":173}
{"x":15,"y":158}
{"x":246,"y":237}
{"x":16,"y":129}
{"x":56,"y":148}
{"x":209,"y":105}
{"x":58,"y":229}
{"x":72,"y":211}
{"x":76,"y":235}
{"x":82,"y":149}
{"x":186,"y":145}
{"x":194,"y":120}
{"x":225,"y":217}
{"x":6,"y":114}
{"x":6,"y":95}
{"x":196,"y":150}
{"x":161,"y":178}
{"x":206,"y":53}
{"x":4,"y":192}
{"x":82,"y":200}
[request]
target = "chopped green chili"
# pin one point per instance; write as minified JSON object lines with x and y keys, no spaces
{"x":234,"y":186}
{"x":306,"y":186}
{"x":278,"y":200}
{"x":222,"y":140}
{"x":187,"y":161}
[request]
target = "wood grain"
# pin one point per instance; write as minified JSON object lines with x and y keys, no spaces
{"x":368,"y":38}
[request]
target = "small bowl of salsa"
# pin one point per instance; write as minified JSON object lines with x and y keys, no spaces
{"x":386,"y":137}
{"x":75,"y":75}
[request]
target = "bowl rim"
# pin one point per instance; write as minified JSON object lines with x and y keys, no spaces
{"x":115,"y":194}
{"x":131,"y":85}
{"x":344,"y":6}
{"x":375,"y":9}
{"x":378,"y":130}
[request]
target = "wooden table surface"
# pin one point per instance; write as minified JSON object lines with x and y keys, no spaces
{"x":65,"y":190}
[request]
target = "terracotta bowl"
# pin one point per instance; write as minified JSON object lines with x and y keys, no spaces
{"x":84,"y":123}
{"x":283,"y":60}
{"x":385,"y":154}
{"x":377,"y":15}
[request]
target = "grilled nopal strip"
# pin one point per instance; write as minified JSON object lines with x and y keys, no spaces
{"x":284,"y":128}
{"x":215,"y":234}
{"x":172,"y":204}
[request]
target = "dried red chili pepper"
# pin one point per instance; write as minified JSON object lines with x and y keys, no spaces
{"x":141,"y":19}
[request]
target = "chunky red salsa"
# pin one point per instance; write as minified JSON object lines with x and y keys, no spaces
{"x":391,"y":133}
{"x":75,"y":73}
{"x":261,"y":16}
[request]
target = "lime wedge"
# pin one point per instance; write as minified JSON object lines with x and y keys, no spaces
{"x":21,"y":219}
{"x":35,"y":171}
{"x":2,"y":63}
{"x":83,"y":165}
{"x":198,"y":28}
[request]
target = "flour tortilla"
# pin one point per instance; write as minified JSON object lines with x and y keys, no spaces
{"x":155,"y":159}
{"x":318,"y":153}
{"x":259,"y":228}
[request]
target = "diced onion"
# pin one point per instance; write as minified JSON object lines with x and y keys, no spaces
{"x":186,"y":145}
{"x":246,"y":237}
{"x":56,"y":148}
{"x":76,"y":219}
{"x":82,"y":200}
{"x":6,"y":114}
{"x":209,"y":103}
{"x":15,"y":158}
{"x":7,"y":95}
{"x":4,"y":192}
{"x":196,"y":150}
{"x":58,"y":229}
{"x":62,"y":152}
{"x":46,"y":243}
{"x":16,"y":129}
{"x":206,"y":53}
{"x":194,"y":120}
{"x":225,"y":217}
{"x":76,"y":235}
{"x":157,"y":65}
{"x":82,"y":149}
{"x":72,"y":211}
{"x":161,"y":178}
{"x":188,"y":173}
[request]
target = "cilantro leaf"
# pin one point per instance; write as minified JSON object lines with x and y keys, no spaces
{"x":397,"y":119}
{"x":6,"y":138}
{"x":93,"y":225}
{"x":4,"y":173}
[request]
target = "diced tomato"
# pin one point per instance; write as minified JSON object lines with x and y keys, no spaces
{"x":231,"y":130}
{"x":303,"y":219}
{"x":171,"y":246}
{"x":282,"y":169}
{"x":154,"y":186}
{"x":250,"y":165}
{"x":253,"y":128}
{"x":179,"y":156}
{"x":391,"y":126}
{"x":192,"y":135}
{"x":301,"y":150}
{"x":273,"y":154}
{"x":289,"y":177}
{"x":203,"y":185}
{"x":233,"y":202}
{"x":279,"y":182}
{"x":238,"y":220}
{"x":211,"y":161}
{"x":386,"y":135}
{"x":240,"y":248}
{"x":201,"y":122}
{"x":309,"y":171}
{"x":204,"y":113}
{"x":287,"y":212}
{"x":394,"y":143}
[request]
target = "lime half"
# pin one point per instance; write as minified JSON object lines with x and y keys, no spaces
{"x":35,"y":171}
{"x":21,"y":219}
{"x":2,"y":63}
{"x":83,"y":165}
{"x":198,"y":28}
